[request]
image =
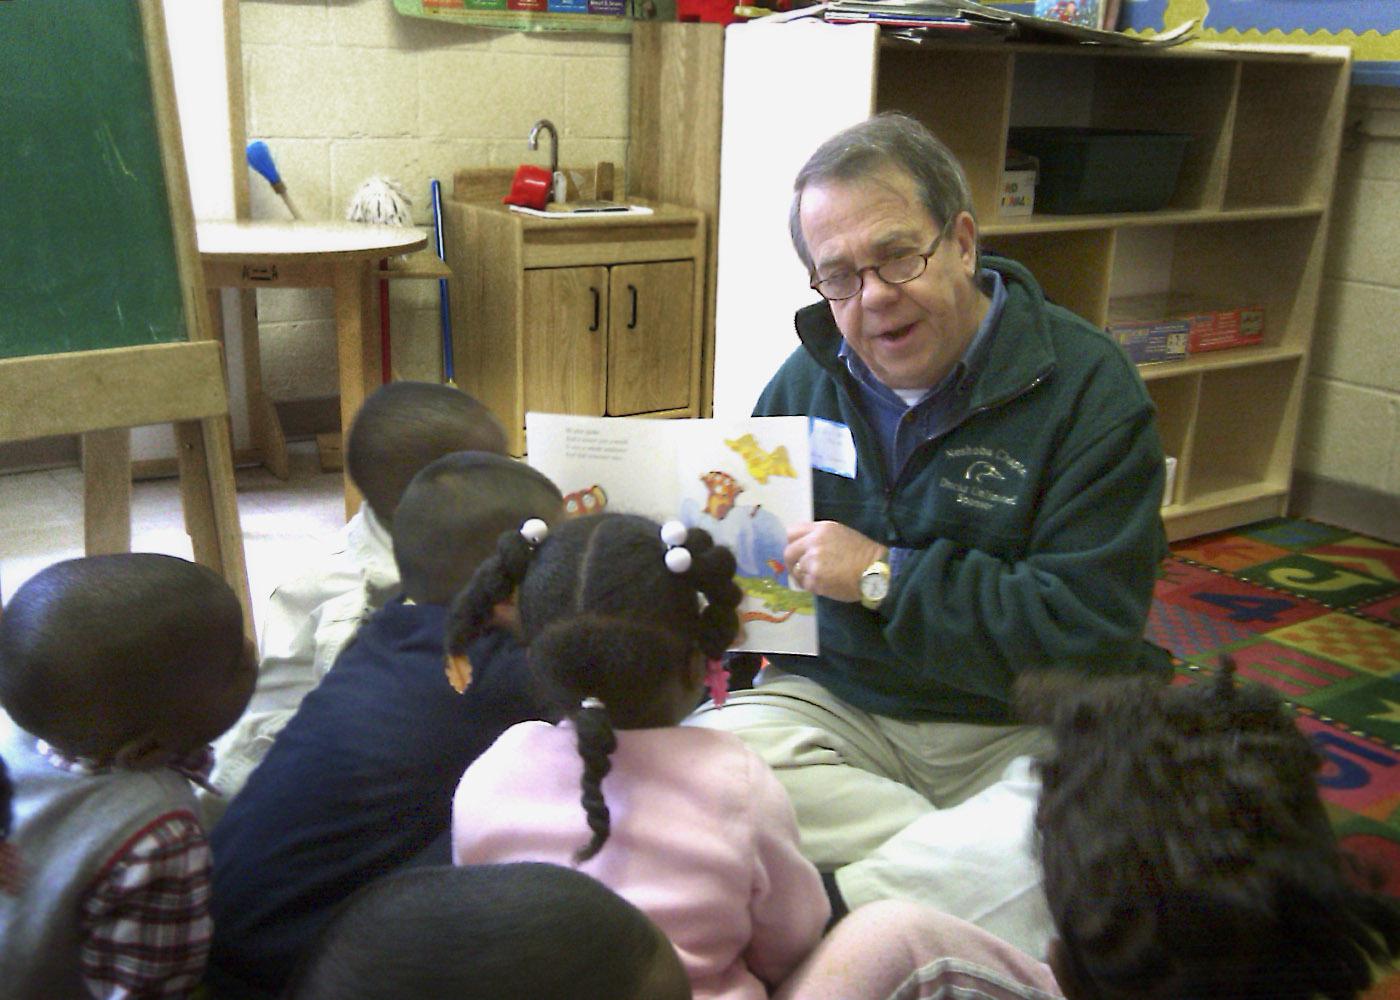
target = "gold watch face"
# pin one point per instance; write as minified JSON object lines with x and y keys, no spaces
{"x":874,"y":585}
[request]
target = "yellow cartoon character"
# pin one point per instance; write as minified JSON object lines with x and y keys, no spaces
{"x":762,"y":464}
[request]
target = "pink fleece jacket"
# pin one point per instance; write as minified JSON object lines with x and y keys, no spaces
{"x":704,"y":841}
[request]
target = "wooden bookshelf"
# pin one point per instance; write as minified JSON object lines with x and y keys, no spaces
{"x":1246,"y":225}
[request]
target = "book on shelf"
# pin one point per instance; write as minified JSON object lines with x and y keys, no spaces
{"x":1085,"y":13}
{"x":1149,"y":341}
{"x":1098,"y":14}
{"x":742,"y":480}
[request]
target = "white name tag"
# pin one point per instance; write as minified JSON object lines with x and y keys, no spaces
{"x":833,"y":448}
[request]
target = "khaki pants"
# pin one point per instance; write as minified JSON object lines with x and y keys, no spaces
{"x":936,"y":812}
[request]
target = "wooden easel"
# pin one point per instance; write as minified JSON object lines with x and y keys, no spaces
{"x":101,"y":392}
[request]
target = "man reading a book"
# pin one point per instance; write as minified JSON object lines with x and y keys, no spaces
{"x":987,"y":485}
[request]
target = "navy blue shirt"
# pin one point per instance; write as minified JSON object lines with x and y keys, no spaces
{"x":901,"y":427}
{"x":359,"y":783}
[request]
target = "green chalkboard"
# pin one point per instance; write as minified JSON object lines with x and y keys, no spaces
{"x":87,"y":253}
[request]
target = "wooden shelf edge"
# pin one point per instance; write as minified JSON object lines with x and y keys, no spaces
{"x":1236,"y":357}
{"x":1029,"y":225}
{"x":1218,"y":511}
{"x":1195,"y":50}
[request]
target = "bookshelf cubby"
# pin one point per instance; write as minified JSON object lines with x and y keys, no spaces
{"x":1246,"y":225}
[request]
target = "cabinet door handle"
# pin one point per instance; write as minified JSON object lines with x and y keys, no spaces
{"x":597,"y":309}
{"x":632,"y":290}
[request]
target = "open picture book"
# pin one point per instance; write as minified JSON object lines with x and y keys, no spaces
{"x":744,"y":481}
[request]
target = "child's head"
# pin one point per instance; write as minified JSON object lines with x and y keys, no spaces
{"x":454,"y":510}
{"x":610,"y":620}
{"x":402,"y":427}
{"x":133,"y":659}
{"x":1187,"y":853}
{"x":494,"y":932}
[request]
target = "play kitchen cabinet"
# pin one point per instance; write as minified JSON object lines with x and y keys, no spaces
{"x":596,"y":314}
{"x":1246,"y":225}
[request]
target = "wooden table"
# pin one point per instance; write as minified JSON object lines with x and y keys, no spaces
{"x":342,"y":256}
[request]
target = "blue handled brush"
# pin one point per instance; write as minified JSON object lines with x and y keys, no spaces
{"x":260,"y":159}
{"x":443,"y":303}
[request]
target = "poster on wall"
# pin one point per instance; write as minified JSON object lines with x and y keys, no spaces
{"x":1370,"y":28}
{"x":541,"y":15}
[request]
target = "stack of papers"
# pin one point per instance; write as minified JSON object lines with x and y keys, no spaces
{"x":954,"y":16}
{"x":904,"y":15}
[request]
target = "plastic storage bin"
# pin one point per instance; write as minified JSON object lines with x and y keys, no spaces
{"x":1102,"y":170}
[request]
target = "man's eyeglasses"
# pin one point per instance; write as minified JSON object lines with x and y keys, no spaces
{"x":899,"y":271}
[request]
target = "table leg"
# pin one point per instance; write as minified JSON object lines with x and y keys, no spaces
{"x":264,"y":428}
{"x":358,"y":353}
{"x":264,"y":425}
{"x":107,"y":491}
{"x":211,"y":507}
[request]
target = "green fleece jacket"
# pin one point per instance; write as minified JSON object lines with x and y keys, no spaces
{"x":1034,"y":525}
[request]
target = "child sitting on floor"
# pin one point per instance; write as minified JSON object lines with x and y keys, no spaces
{"x":686,"y":823}
{"x":311,"y":617}
{"x":117,"y":671}
{"x":1186,"y":855}
{"x":523,"y":931}
{"x":360,"y":781}
{"x":1187,"y":852}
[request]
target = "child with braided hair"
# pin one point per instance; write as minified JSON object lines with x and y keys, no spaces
{"x":624,"y":621}
{"x":1187,"y":852}
{"x":1187,"y":855}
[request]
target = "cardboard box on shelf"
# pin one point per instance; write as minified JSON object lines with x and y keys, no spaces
{"x":1150,"y":341}
{"x":1018,"y":186}
{"x":1217,"y":329}
{"x":1211,"y":326}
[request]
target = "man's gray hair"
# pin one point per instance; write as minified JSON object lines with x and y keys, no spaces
{"x":888,"y":139}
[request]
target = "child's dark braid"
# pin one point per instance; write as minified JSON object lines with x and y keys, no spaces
{"x":494,"y":581}
{"x":611,"y":611}
{"x":596,"y":742}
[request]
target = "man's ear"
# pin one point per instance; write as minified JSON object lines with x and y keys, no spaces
{"x":964,"y":236}
{"x":142,"y":753}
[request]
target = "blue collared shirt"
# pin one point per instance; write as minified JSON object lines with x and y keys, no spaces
{"x":900,"y":427}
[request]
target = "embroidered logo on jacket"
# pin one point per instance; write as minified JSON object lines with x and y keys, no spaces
{"x":988,"y":476}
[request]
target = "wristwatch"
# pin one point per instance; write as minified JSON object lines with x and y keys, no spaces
{"x":875,"y":583}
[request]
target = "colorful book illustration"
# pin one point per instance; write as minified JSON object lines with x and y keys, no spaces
{"x":744,"y":481}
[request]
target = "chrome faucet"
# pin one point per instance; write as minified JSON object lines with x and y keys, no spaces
{"x":545,"y":125}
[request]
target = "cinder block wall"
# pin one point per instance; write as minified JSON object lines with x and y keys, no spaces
{"x":344,"y":89}
{"x":1348,"y":466}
